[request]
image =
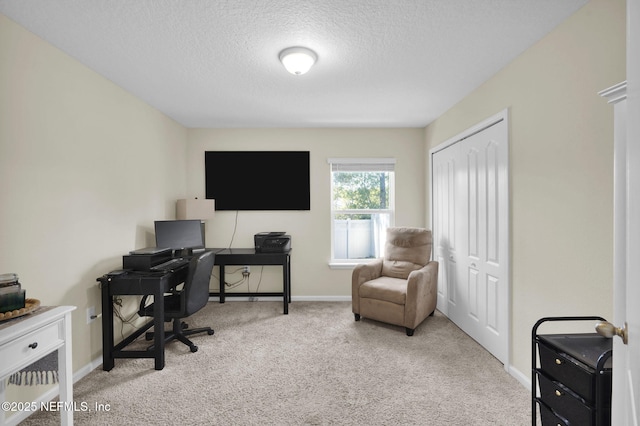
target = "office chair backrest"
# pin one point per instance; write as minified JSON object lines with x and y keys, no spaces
{"x":196,"y":287}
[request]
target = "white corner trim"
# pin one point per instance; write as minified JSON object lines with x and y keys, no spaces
{"x":615,"y":93}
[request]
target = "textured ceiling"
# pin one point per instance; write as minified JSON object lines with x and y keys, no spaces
{"x":214,"y":63}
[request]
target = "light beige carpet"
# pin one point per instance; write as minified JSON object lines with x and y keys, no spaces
{"x":315,"y":366}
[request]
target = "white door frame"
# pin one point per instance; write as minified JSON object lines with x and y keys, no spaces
{"x":501,"y":116}
{"x":625,"y":402}
{"x":632,"y":290}
{"x":617,"y":95}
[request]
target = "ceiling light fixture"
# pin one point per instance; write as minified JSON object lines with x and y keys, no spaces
{"x":298,"y":60}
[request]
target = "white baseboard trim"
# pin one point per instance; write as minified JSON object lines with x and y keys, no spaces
{"x":279,"y":299}
{"x":87,"y":369}
{"x":519,"y":376}
{"x":321,"y":298}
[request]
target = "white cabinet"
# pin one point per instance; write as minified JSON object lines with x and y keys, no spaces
{"x":27,"y":339}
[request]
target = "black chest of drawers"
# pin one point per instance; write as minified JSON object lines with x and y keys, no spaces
{"x":574,"y":377}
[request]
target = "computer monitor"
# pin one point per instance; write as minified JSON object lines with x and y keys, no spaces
{"x":182,"y":236}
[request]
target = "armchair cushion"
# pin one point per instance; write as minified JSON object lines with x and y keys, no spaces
{"x":406,"y":250}
{"x":385,"y":288}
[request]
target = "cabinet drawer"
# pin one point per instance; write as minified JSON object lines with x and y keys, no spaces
{"x":564,"y":402}
{"x":24,"y":350}
{"x":549,"y":418}
{"x":564,"y":369}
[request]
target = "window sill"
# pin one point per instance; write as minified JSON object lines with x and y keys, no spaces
{"x":348,"y":264}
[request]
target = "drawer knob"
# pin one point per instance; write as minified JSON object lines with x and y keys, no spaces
{"x":558,"y":361}
{"x":33,"y":345}
{"x":558,"y":393}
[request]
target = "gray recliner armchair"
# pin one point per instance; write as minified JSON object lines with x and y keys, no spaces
{"x":400,"y":288}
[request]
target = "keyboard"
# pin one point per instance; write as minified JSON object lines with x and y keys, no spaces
{"x":170,"y":264}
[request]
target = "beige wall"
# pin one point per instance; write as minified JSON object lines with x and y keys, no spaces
{"x":561,"y":159}
{"x":85,"y":168}
{"x":310,"y":230}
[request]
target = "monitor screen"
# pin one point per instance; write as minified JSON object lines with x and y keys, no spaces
{"x":179,"y":234}
{"x":258,"y":180}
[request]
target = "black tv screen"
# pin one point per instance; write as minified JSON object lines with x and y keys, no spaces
{"x":258,"y":180}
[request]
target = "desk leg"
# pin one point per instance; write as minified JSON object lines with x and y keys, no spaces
{"x":221,"y":283}
{"x":107,"y":327}
{"x":158,"y":328}
{"x":289,"y":278}
{"x":285,"y":287}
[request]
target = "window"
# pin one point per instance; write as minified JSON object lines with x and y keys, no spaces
{"x":362,"y":207}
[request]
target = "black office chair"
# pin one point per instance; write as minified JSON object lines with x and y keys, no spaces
{"x":183,"y":303}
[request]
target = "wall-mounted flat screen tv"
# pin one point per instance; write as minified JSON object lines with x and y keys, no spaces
{"x":258,"y":180}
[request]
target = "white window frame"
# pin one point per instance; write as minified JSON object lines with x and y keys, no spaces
{"x":360,"y":164}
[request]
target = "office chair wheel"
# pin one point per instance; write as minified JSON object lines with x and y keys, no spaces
{"x":193,"y":348}
{"x":210,"y":332}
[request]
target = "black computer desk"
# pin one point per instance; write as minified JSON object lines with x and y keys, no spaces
{"x":249,"y":256}
{"x":134,"y":283}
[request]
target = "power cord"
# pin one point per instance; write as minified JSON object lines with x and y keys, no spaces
{"x":235,"y":227}
{"x":232,"y":284}
{"x":117,"y":305}
{"x":259,"y":279}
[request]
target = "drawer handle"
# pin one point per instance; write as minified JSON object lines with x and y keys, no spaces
{"x":33,"y":345}
{"x":558,"y":361}
{"x":558,"y":392}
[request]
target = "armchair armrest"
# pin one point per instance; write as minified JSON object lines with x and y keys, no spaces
{"x":422,"y":290}
{"x":360,"y":275}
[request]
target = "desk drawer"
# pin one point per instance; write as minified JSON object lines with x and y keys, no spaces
{"x":18,"y":354}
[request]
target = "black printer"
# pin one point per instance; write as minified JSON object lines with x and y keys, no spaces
{"x":272,"y":242}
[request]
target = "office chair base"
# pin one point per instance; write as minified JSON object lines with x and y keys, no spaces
{"x":149,"y":334}
{"x":180,"y":332}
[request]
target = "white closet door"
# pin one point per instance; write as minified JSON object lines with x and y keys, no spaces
{"x":483,"y":278}
{"x":444,"y":168}
{"x":472,"y":233}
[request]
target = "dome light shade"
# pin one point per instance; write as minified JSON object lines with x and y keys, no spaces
{"x":298,"y":60}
